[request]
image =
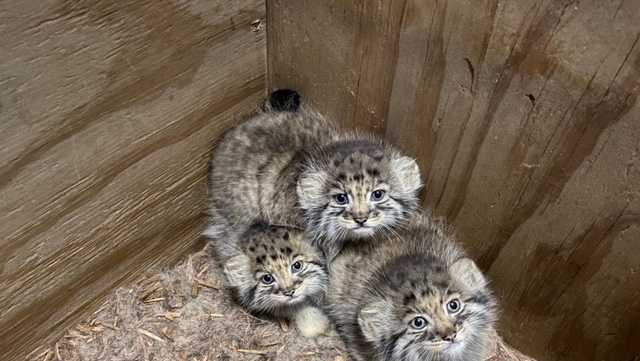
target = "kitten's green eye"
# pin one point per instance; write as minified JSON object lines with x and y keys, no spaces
{"x":341,"y":198}
{"x":377,"y":195}
{"x":418,"y":323}
{"x":454,"y":306}
{"x":267,"y":279}
{"x":296,"y":266}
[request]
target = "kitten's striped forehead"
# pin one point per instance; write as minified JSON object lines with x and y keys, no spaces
{"x":425,"y":292}
{"x":367,"y":163}
{"x":411,"y":271}
{"x":419,"y":282}
{"x":276,"y":247}
{"x":427,"y":297}
{"x":358,"y":171}
{"x":271,"y":238}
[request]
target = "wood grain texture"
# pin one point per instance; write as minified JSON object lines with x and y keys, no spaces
{"x":345,"y":44}
{"x":108,"y":110}
{"x":524,"y":116}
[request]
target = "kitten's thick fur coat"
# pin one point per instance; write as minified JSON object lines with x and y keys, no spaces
{"x":277,"y":272}
{"x":287,"y":165}
{"x":393,"y":300}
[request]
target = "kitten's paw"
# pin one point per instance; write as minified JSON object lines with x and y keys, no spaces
{"x":311,"y":322}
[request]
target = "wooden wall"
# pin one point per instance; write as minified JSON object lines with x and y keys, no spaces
{"x":107,"y":112}
{"x":525,"y":118}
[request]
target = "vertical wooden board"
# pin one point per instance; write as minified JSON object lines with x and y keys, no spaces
{"x":532,"y":153}
{"x":336,"y":54}
{"x":524,"y":118}
{"x":108,"y":110}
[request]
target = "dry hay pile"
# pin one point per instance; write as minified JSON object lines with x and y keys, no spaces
{"x":183,"y":314}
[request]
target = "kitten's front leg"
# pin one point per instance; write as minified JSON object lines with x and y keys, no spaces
{"x":311,"y":321}
{"x":330,"y":249}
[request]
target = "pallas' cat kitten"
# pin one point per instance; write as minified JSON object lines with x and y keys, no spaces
{"x":288,"y":165}
{"x":276,"y":272}
{"x":414,"y":296}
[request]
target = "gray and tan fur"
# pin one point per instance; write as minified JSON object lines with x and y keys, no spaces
{"x":290,"y":166}
{"x":277,"y":272}
{"x":413,"y":296}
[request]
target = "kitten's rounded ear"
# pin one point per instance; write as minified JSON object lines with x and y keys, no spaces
{"x":408,"y":173}
{"x":467,"y":274}
{"x":237,"y":271}
{"x":376,"y":321}
{"x":311,"y":188}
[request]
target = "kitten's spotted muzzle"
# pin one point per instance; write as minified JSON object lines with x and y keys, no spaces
{"x":449,"y":338}
{"x":362,"y":224}
{"x":289,"y":292}
{"x":363,"y":218}
{"x":362,"y":231}
{"x":444,"y":340}
{"x":446,"y":334}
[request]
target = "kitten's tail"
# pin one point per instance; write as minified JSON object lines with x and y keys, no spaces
{"x":283,"y":100}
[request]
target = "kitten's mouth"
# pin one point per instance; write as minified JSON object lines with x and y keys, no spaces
{"x":447,"y":346}
{"x":441,"y":345}
{"x":295,"y":299}
{"x":362,"y":230}
{"x":367,"y":225}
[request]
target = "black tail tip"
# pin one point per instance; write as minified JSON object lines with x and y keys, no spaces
{"x":284,"y":100}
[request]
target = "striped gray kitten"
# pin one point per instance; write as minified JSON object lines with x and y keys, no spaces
{"x":414,"y":296}
{"x":290,"y":166}
{"x":277,"y":272}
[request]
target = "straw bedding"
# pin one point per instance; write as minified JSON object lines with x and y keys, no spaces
{"x":183,"y":314}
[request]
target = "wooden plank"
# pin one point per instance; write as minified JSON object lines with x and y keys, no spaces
{"x":108,"y":110}
{"x":524,"y":117}
{"x":346,"y":44}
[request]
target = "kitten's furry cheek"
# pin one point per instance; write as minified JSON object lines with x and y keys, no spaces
{"x":376,"y":321}
{"x":408,"y":174}
{"x":467,"y":274}
{"x":213,"y":232}
{"x":237,"y":272}
{"x":310,"y":188}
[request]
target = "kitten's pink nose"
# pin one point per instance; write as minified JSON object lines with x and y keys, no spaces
{"x":360,"y":220}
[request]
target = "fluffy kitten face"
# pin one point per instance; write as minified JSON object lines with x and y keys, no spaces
{"x":429,"y":313}
{"x":353,"y":189}
{"x":278,"y":272}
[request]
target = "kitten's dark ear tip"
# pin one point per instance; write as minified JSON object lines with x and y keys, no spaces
{"x":284,"y":100}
